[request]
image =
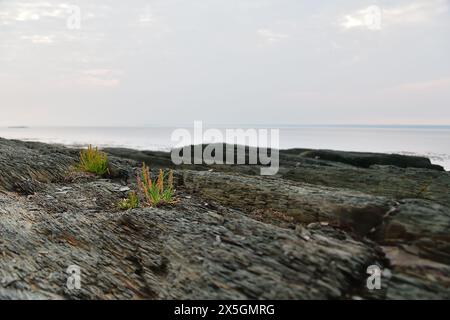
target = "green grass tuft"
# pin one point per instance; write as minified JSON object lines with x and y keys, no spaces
{"x":93,"y":161}
{"x":131,"y":202}
{"x":158,"y":191}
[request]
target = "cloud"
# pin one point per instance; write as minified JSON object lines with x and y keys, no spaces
{"x":425,"y":86}
{"x":39,"y":39}
{"x":271,"y":37}
{"x":93,"y":78}
{"x":146,"y":16}
{"x":369,"y":18}
{"x":377,"y":18}
{"x":98,"y":82}
{"x":100,"y":72}
{"x":415,"y":12}
{"x":32,"y":11}
{"x":37,"y":11}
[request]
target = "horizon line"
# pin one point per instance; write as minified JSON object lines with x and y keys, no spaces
{"x":233,"y":125}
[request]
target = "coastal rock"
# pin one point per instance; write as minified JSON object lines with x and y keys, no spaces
{"x":367,"y":159}
{"x":382,"y":180}
{"x":415,"y":277}
{"x":310,"y":232}
{"x":169,"y":253}
{"x":303,"y":202}
{"x":23,"y":166}
{"x":422,"y":224}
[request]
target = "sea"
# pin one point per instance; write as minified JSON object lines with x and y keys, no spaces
{"x":429,"y":141}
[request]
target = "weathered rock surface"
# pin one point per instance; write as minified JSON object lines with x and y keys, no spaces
{"x":367,"y":159}
{"x":308,"y":233}
{"x":305,"y":203}
{"x":189,"y":251}
{"x":422,"y":224}
{"x":384,"y":180}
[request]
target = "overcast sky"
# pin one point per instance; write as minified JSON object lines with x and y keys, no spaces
{"x":224,"y":61}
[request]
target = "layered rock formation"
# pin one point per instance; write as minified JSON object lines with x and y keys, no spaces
{"x":309,"y":232}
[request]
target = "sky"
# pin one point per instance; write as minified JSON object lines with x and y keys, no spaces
{"x":278,"y":62}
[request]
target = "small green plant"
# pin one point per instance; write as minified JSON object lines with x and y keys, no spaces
{"x":131,"y":202}
{"x":94,"y":161}
{"x":156,"y":192}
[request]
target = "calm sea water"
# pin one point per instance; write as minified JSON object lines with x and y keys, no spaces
{"x":432,"y":142}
